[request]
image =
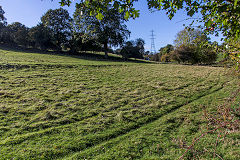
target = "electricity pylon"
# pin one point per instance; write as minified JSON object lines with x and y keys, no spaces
{"x":153,"y":49}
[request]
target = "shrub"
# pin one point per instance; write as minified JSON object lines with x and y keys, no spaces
{"x":185,"y":54}
{"x":131,"y":52}
{"x":166,"y":58}
{"x":207,"y":55}
{"x":194,"y":54}
{"x":155,"y":57}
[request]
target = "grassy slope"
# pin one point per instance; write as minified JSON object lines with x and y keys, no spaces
{"x":18,"y":57}
{"x":61,"y":107}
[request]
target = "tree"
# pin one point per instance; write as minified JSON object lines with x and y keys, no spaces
{"x":40,"y":37}
{"x":75,"y":43}
{"x":19,"y":33}
{"x":190,"y":36}
{"x":58,"y":21}
{"x":193,"y":54}
{"x":4,"y":35}
{"x":164,"y":54}
{"x":193,"y":46}
{"x":232,"y":50}
{"x":133,"y":49}
{"x":3,"y":23}
{"x":2,"y":18}
{"x":108,"y":31}
{"x":140,"y":45}
{"x":166,"y":50}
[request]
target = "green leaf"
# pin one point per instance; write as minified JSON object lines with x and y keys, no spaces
{"x":225,"y":22}
{"x":99,"y":16}
{"x":208,"y":23}
{"x":91,"y":13}
{"x":235,"y":4}
{"x":136,"y":13}
{"x":127,"y":15}
{"x":121,"y":10}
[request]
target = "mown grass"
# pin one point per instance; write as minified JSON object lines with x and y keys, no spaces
{"x":61,"y":107}
{"x":34,"y":57}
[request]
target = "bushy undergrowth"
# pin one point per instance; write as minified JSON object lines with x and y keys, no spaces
{"x":222,"y":121}
{"x":188,"y":54}
{"x":194,"y":55}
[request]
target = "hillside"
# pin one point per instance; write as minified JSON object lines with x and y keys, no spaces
{"x":65,"y":107}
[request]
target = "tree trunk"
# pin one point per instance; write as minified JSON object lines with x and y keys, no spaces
{"x":106,"y":50}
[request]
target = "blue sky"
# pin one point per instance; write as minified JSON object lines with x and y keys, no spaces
{"x":28,"y":12}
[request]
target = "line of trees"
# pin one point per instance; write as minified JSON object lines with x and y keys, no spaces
{"x":191,"y":46}
{"x":59,"y":31}
{"x":53,"y":32}
{"x":221,"y":16}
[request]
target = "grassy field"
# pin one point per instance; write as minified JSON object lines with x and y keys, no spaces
{"x":64,"y":107}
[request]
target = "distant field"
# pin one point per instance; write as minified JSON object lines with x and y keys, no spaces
{"x":62,"y":107}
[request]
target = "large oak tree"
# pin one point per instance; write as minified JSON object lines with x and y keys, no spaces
{"x":110,"y":30}
{"x":58,"y":22}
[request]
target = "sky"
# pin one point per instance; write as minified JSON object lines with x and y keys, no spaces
{"x":29,"y":12}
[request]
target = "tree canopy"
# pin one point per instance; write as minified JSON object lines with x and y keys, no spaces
{"x":224,"y":14}
{"x":2,"y":24}
{"x":217,"y":16}
{"x":40,"y":37}
{"x":193,"y":46}
{"x":133,"y":49}
{"x":58,"y":21}
{"x":2,"y":18}
{"x":190,"y":36}
{"x":165,"y":50}
{"x":19,"y":33}
{"x":111,"y":30}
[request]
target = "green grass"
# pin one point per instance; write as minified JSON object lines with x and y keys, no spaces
{"x":64,"y":107}
{"x":22,"y":58}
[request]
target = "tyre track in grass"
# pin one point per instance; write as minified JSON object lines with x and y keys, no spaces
{"x":97,"y":151}
{"x":147,"y":97}
{"x":128,"y":131}
{"x":107,"y":110}
{"x":123,"y":131}
{"x":23,"y":137}
{"x":116,"y":132}
{"x":144,"y":125}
